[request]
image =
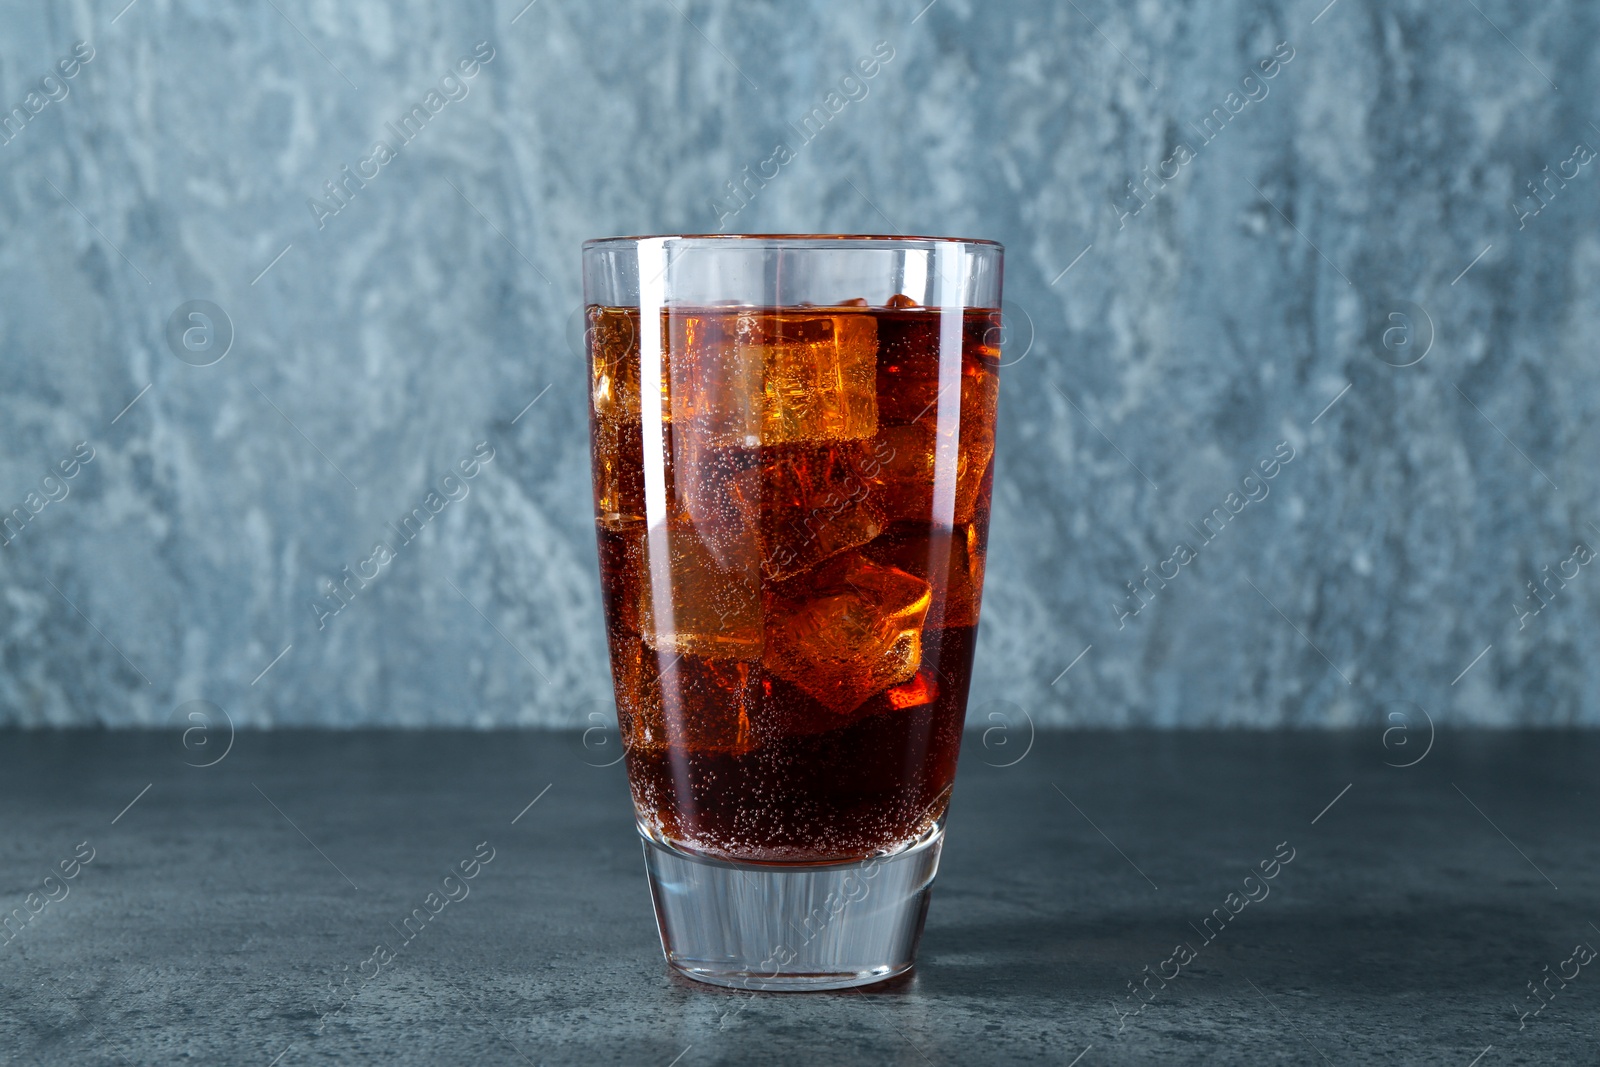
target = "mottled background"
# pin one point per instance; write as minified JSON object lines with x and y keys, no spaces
{"x":1158,"y":355}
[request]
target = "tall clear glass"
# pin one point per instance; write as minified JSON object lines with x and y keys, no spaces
{"x":793,"y":448}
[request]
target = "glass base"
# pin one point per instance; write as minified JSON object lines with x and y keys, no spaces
{"x":751,"y":926}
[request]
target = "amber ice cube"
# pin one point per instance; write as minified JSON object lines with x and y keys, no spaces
{"x":910,"y":477}
{"x":806,"y":502}
{"x":847,"y":631}
{"x":949,"y":559}
{"x":672,"y":700}
{"x":917,"y":451}
{"x":770,"y":378}
{"x":699,"y":589}
{"x":710,"y":485}
{"x":619,"y":586}
{"x":815,"y":503}
{"x":618,"y":474}
{"x":614,"y":379}
{"x":614,"y":397}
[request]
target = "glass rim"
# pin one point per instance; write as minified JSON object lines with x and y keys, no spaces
{"x":795,"y":240}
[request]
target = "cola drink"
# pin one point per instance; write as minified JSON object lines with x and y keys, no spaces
{"x":792,"y":509}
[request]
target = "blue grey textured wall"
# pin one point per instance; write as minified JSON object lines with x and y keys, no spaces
{"x":1360,"y":235}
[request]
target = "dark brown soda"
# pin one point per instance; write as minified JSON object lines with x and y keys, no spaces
{"x":792,"y":636}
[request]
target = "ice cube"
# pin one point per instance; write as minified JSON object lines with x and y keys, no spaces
{"x":700,"y":590}
{"x":619,"y":574}
{"x":707,"y":703}
{"x":908,"y":478}
{"x":614,"y":394}
{"x":768,"y":378}
{"x":852,"y":629}
{"x":978,"y":528}
{"x":682,"y":701}
{"x":815,"y":503}
{"x":820,"y":380}
{"x":613,"y":338}
{"x":916,"y":450}
{"x":922,"y":689}
{"x":944,"y":558}
{"x":637,"y":683}
{"x":618,"y":472}
{"x":712,"y":486}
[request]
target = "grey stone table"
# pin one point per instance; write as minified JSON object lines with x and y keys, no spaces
{"x":230,"y":913}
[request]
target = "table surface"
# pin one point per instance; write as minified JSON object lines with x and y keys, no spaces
{"x":231,"y":913}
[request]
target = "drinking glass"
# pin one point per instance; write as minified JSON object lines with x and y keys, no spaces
{"x":792,"y":450}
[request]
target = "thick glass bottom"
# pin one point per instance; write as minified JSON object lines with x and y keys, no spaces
{"x":794,"y":928}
